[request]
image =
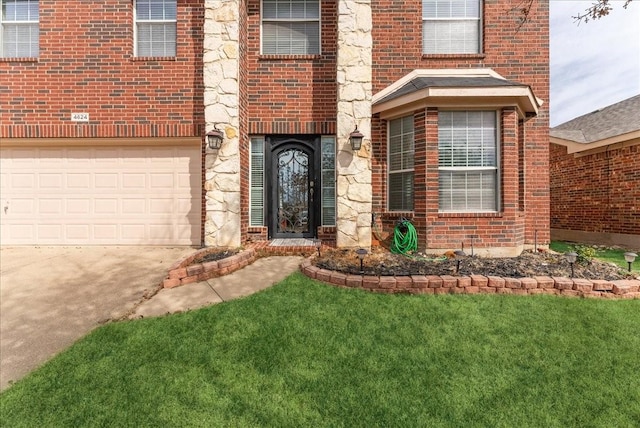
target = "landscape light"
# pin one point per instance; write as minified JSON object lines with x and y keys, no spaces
{"x":630,"y":257}
{"x":571,"y":258}
{"x":459,"y":254}
{"x":361,"y":253}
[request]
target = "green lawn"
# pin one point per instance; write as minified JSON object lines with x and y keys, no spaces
{"x":307,"y":354}
{"x":608,"y":254}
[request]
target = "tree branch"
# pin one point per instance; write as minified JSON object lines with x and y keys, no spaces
{"x":597,"y":10}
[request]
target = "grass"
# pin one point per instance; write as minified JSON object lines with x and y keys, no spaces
{"x":610,"y":255}
{"x":308,"y":354}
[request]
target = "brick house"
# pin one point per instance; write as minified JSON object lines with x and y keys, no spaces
{"x":109,"y":116}
{"x":595,"y":176}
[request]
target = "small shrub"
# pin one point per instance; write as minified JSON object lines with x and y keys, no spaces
{"x":585,"y":253}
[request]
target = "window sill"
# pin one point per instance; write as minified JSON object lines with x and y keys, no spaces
{"x":153,"y":58}
{"x":288,"y":57}
{"x":20,"y":59}
{"x":471,"y":215}
{"x":397,"y":215}
{"x":453,"y":56}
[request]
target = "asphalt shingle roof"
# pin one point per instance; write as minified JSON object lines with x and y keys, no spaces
{"x":616,"y":119}
{"x":419,"y":83}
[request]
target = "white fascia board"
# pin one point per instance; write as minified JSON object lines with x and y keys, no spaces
{"x":575,"y":147}
{"x":500,"y":96}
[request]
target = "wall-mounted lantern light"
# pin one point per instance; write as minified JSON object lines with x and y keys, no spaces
{"x":213,"y":139}
{"x":571,"y":258}
{"x":355,"y":138}
{"x":630,"y":257}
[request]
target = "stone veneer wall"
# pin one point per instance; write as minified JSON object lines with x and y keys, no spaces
{"x":222,"y":111}
{"x":353,"y":169}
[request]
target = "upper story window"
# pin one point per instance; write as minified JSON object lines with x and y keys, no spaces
{"x":451,"y":26}
{"x":155,"y":27}
{"x":290,"y":27}
{"x":401,"y":154}
{"x":468,"y":161}
{"x":19,"y":29}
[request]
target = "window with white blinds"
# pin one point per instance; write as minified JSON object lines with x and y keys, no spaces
{"x":155,"y":28}
{"x":256,"y":182}
{"x":451,"y":26}
{"x":400,"y":164}
{"x":290,"y":27}
{"x":328,"y":180}
{"x":468,"y":161}
{"x":19,"y":29}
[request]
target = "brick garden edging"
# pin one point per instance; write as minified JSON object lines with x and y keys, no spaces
{"x":474,"y":284}
{"x":184,"y":272}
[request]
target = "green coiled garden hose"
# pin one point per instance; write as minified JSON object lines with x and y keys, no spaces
{"x":405,"y":238}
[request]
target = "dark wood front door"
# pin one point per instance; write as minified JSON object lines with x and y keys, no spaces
{"x":292,"y":196}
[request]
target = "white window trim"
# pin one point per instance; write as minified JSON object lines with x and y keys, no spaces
{"x":151,"y":21}
{"x":398,"y":171}
{"x":318,"y":20}
{"x":27,"y":22}
{"x":480,"y":32}
{"x":497,"y":168}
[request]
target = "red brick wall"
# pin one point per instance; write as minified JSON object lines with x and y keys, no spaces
{"x":598,"y":192}
{"x":517,"y":54}
{"x":292,"y":94}
{"x":86,"y":64}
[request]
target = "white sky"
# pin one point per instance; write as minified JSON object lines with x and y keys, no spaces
{"x":593,"y":65}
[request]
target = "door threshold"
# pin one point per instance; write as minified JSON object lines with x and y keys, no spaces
{"x":292,"y":242}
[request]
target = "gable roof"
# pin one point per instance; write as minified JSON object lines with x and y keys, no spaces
{"x":615,"y":120}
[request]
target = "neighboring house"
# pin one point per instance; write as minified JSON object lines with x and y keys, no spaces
{"x":595,"y":176}
{"x":104,"y":110}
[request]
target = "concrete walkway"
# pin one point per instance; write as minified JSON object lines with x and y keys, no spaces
{"x":52,"y":296}
{"x":259,"y":275}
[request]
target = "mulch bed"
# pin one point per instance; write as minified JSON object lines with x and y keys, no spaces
{"x":381,"y":262}
{"x":215,"y":256}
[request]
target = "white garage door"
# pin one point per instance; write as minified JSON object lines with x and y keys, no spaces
{"x":101,"y":195}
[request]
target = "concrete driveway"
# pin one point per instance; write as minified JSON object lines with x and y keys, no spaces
{"x":52,"y":296}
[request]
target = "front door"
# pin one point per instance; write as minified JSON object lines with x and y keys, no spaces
{"x":293,"y":209}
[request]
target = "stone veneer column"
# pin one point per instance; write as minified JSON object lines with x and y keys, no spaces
{"x":221,"y":110}
{"x":354,"y":60}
